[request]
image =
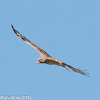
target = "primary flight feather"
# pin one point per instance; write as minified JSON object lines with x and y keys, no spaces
{"x":45,"y":57}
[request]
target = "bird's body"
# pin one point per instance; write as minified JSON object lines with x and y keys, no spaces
{"x":45,"y":57}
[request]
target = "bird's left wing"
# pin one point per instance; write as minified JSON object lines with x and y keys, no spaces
{"x":41,"y":51}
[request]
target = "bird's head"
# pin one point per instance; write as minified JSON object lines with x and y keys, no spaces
{"x":40,"y":60}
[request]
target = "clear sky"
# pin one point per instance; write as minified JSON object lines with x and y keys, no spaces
{"x":68,"y":30}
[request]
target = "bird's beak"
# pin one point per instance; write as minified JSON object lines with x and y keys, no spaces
{"x":37,"y":62}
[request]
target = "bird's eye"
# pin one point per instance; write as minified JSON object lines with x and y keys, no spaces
{"x":39,"y":59}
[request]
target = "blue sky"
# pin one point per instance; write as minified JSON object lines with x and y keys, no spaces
{"x":68,"y":30}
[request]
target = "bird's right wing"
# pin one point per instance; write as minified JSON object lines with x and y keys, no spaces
{"x":77,"y":70}
{"x":41,"y":51}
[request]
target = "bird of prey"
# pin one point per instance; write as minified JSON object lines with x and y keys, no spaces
{"x":45,"y":57}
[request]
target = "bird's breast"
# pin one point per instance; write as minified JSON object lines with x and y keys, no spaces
{"x":52,"y":62}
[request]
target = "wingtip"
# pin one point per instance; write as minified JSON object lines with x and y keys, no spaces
{"x":11,"y":25}
{"x":87,"y":74}
{"x":13,"y":28}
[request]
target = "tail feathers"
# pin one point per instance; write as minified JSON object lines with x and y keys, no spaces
{"x":77,"y":70}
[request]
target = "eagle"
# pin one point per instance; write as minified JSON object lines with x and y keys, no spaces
{"x":45,"y":57}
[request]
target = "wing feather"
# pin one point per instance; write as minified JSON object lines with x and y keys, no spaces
{"x":77,"y":70}
{"x":41,"y":51}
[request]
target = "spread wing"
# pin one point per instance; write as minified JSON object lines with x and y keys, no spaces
{"x":54,"y":61}
{"x":41,"y":51}
{"x":78,"y":70}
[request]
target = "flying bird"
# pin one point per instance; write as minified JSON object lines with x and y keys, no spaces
{"x":45,"y":57}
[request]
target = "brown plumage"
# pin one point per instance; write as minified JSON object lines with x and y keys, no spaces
{"x":45,"y":57}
